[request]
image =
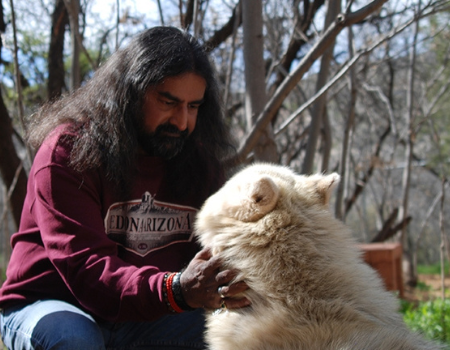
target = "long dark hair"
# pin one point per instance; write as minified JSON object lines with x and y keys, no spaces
{"x":104,"y":111}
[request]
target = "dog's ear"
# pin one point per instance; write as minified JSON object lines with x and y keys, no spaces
{"x":250,"y":200}
{"x":325,"y":186}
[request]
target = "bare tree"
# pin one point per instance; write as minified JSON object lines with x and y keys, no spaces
{"x":326,"y":39}
{"x":347,"y":133}
{"x":73,"y":8}
{"x":409,"y":150}
{"x":358,"y":93}
{"x":11,"y":169}
{"x":302,"y":22}
{"x":319,"y":110}
{"x":255,"y":95}
{"x":443,"y":239}
{"x":56,"y":70}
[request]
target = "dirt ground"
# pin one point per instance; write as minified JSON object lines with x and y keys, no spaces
{"x":429,"y":287}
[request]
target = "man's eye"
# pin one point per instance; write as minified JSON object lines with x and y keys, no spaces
{"x":167,"y":102}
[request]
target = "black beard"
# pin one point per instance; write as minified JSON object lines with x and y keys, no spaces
{"x":159,"y":144}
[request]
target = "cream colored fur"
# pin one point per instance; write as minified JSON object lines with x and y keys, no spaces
{"x":308,"y":285}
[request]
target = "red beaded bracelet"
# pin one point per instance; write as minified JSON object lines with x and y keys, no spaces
{"x":168,"y":293}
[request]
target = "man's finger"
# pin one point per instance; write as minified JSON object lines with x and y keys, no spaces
{"x":234,"y":289}
{"x":232,"y":303}
{"x":225,"y":277}
{"x":204,"y":254}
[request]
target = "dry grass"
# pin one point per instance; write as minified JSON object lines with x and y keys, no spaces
{"x":428,"y":288}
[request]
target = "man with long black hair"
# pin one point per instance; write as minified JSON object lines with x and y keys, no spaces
{"x":122,"y":166}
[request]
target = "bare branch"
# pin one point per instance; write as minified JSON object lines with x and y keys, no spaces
{"x":292,"y":79}
{"x":226,"y":31}
{"x":78,"y":36}
{"x":295,"y":76}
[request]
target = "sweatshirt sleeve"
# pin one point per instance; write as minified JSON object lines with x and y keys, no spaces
{"x":68,"y":211}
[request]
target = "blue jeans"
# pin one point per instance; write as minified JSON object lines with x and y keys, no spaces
{"x":53,"y":324}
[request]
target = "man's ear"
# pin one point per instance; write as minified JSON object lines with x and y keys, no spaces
{"x":252,"y":199}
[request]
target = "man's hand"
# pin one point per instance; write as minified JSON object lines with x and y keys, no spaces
{"x":201,"y":280}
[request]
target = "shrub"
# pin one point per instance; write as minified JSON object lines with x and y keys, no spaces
{"x":430,"y":318}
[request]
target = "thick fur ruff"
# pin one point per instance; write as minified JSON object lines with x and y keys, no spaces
{"x":309,"y":287}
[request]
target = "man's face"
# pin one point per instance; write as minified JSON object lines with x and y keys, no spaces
{"x":170,"y":114}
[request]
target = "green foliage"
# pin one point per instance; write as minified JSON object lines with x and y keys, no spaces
{"x":430,"y":318}
{"x":86,"y":68}
{"x":434,"y":269}
{"x":423,"y":286}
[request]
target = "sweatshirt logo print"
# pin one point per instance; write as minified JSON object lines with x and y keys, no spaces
{"x":145,"y":225}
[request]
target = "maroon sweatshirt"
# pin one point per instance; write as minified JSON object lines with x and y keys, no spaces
{"x":77,"y":244}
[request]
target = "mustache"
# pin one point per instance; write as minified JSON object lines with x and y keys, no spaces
{"x":172,"y":129}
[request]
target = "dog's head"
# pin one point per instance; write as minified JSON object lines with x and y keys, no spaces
{"x":258,"y":201}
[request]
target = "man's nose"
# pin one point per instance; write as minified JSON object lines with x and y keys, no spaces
{"x":180,"y":118}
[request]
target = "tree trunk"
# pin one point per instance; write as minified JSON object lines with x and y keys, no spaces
{"x":409,"y":273}
{"x":10,"y":163}
{"x":443,"y":240}
{"x":292,"y":79}
{"x":327,"y":142}
{"x":361,"y":183}
{"x":56,"y":71}
{"x":318,"y":113}
{"x":255,"y":96}
{"x":73,"y":8}
{"x":340,"y":195}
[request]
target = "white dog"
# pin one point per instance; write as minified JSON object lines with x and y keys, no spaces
{"x":309,"y":287}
